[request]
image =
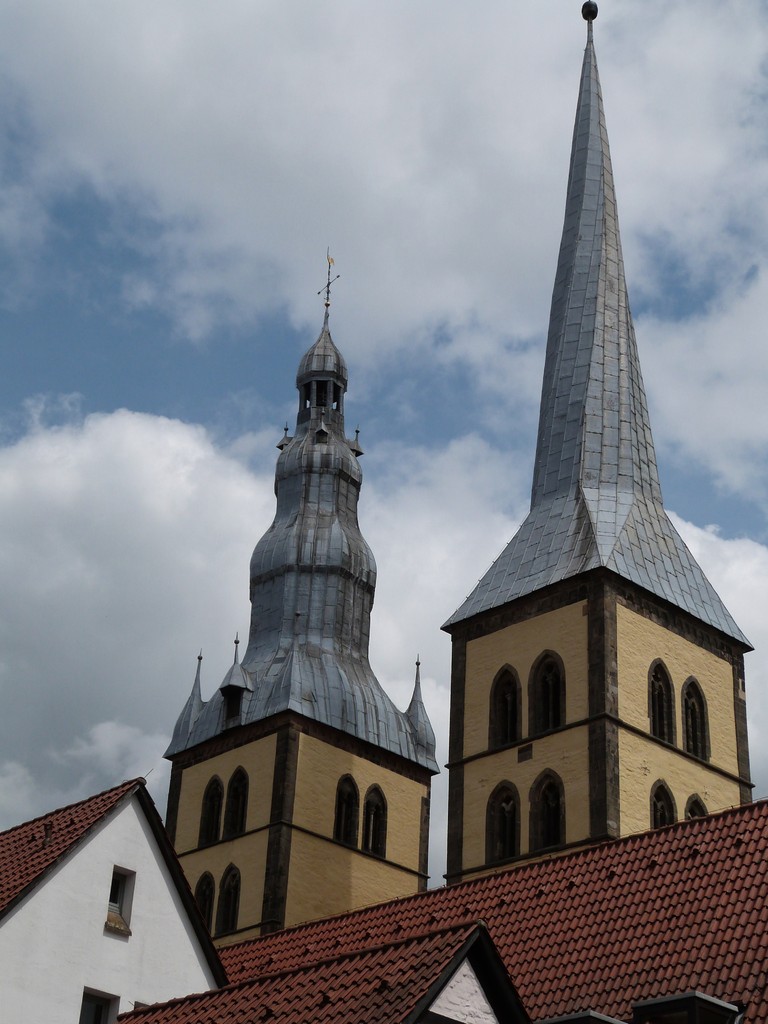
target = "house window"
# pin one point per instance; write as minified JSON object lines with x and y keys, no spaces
{"x":204,"y":896}
{"x":504,"y":723}
{"x":546,"y":695}
{"x":229,"y":901}
{"x":661,"y":704}
{"x":237,"y":804}
{"x":502,"y":824}
{"x":695,"y":808}
{"x":547,"y":812}
{"x":210,"y":814}
{"x":120,"y":900}
{"x":375,"y":822}
{"x":695,"y":730}
{"x":663,"y":810}
{"x":97,"y":1009}
{"x":347,"y":804}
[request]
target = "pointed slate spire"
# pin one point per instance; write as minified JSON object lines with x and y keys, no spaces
{"x":419,"y":719}
{"x":189,"y":714}
{"x":596,"y":497}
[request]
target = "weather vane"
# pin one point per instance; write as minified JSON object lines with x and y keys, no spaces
{"x":329,"y":282}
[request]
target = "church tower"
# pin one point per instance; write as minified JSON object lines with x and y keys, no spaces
{"x":299,"y":790}
{"x":597,"y":679}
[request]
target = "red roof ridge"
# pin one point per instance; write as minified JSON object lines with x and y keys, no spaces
{"x":30,"y":850}
{"x":125,"y":785}
{"x":523,"y":869}
{"x":463,"y":930}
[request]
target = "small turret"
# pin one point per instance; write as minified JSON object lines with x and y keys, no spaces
{"x":189,"y":714}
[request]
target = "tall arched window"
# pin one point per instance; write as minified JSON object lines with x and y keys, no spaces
{"x":695,"y":807}
{"x":375,"y":822}
{"x":210,"y":814}
{"x":504,"y":719}
{"x":546,"y":695}
{"x":204,"y":895}
{"x":347,"y":805}
{"x":663,"y":811}
{"x":237,"y":804}
{"x":502,"y":824}
{"x":695,"y":726}
{"x":229,"y":901}
{"x":547,"y":812}
{"x":661,"y":702}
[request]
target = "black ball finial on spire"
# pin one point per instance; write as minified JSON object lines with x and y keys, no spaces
{"x":589,"y":10}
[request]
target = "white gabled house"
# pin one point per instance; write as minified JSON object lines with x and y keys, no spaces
{"x":96,"y":916}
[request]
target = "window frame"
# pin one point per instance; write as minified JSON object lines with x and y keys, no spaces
{"x":540,"y":724}
{"x":120,"y":901}
{"x":347,"y":812}
{"x":206,"y":908}
{"x":541,"y":818}
{"x":211,"y":810}
{"x":660,"y":791}
{"x":504,"y":709}
{"x":228,"y":906}
{"x":500,"y":848}
{"x":692,"y":699}
{"x":236,"y":804}
{"x":374,"y":837}
{"x":661,"y":703}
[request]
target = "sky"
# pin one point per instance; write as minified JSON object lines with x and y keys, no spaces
{"x":171,"y":175}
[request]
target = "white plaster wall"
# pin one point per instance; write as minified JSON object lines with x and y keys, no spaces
{"x":464,"y":1000}
{"x":54,"y":943}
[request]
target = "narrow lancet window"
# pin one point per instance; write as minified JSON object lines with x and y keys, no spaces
{"x":204,"y":896}
{"x":504,"y":724}
{"x":546,"y":695}
{"x":663,"y":810}
{"x":237,"y":805}
{"x":547,"y":812}
{"x":695,"y":727}
{"x":502,"y":824}
{"x":375,"y":822}
{"x":210,"y":814}
{"x":347,"y":805}
{"x":662,"y":704}
{"x":229,"y":901}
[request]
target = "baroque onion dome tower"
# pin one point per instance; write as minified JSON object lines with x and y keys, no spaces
{"x":597,"y":679}
{"x":299,"y":790}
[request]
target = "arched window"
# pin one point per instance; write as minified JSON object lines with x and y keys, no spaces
{"x":347,"y":804}
{"x":661,"y":703}
{"x":546,"y":695}
{"x":204,"y":894}
{"x":663,"y":811}
{"x":375,"y":822}
{"x":695,"y":807}
{"x":547,"y":812}
{"x":210,"y":815}
{"x":504,"y":719}
{"x":502,"y":824}
{"x":695,"y":729}
{"x":237,"y":804}
{"x":229,"y":901}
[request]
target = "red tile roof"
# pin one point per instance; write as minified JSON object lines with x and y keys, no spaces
{"x":659,"y":913}
{"x":28,"y":851}
{"x":379,"y":984}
